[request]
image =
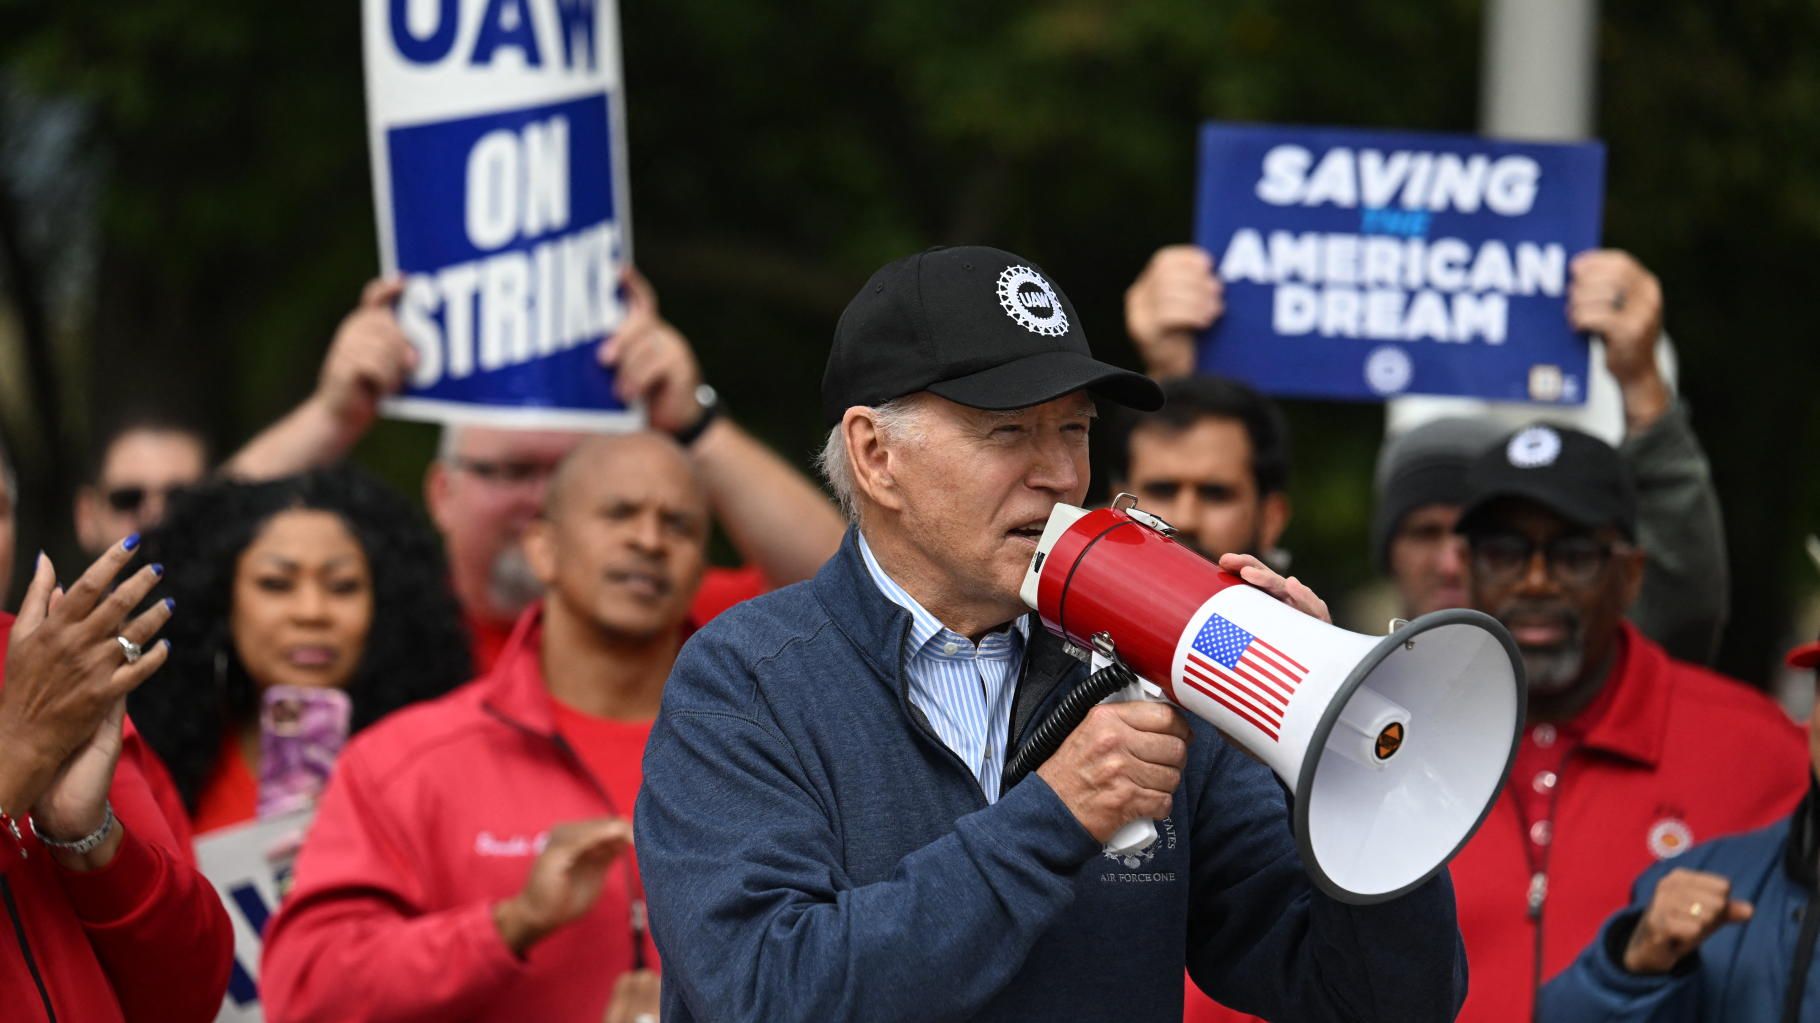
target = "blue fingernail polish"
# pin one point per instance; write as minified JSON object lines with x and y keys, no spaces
{"x":170,"y":603}
{"x":130,"y":542}
{"x":157,"y":569}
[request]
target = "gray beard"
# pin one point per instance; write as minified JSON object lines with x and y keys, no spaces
{"x":1554,"y":671}
{"x":512,"y":586}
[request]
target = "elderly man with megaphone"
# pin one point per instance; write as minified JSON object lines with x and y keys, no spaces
{"x":833,"y":826}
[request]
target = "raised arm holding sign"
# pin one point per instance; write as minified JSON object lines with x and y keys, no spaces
{"x":498,"y":143}
{"x":1362,"y":265}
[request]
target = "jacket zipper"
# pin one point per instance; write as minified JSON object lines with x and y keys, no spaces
{"x":25,"y":949}
{"x":635,"y":888}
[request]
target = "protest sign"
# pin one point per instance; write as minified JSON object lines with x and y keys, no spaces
{"x":497,"y":133}
{"x":250,"y":866}
{"x":1363,"y":264}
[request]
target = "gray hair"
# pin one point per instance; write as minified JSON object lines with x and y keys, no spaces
{"x":900,"y":417}
{"x":448,"y":439}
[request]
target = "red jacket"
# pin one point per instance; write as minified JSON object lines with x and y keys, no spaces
{"x":144,"y":938}
{"x":1670,"y":755}
{"x":431,"y":817}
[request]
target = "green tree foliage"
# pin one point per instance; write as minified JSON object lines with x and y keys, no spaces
{"x":781,"y":152}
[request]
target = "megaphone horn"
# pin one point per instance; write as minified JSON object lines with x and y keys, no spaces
{"x":1394,"y":747}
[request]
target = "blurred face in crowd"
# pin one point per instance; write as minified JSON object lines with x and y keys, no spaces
{"x":482,"y":494}
{"x":303,"y":601}
{"x":1428,"y":560}
{"x":963,"y":495}
{"x":1559,"y":588}
{"x":623,"y":540}
{"x":1200,"y":481}
{"x":138,"y":474}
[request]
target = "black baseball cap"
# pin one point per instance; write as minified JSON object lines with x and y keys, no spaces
{"x":1575,"y":475}
{"x":976,"y":325}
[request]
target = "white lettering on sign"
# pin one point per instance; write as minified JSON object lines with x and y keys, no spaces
{"x":1446,"y":264}
{"x":518,"y":183}
{"x":510,"y":308}
{"x":426,"y":32}
{"x":1411,"y":179}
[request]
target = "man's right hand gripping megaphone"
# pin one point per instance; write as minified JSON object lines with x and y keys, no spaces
{"x":1393,"y":748}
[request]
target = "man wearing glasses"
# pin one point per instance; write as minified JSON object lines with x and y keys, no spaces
{"x":141,"y":462}
{"x":1629,"y":756}
{"x":486,"y":485}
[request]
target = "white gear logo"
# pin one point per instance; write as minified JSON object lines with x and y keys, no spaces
{"x":1029,"y":300}
{"x":1534,"y":448}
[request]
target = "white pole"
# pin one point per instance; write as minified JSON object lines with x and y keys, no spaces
{"x":1539,"y":83}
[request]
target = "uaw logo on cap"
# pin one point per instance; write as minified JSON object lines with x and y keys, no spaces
{"x":1534,"y":448}
{"x":1029,"y":300}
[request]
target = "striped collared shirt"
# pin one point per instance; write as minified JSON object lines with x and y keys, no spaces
{"x":964,"y":690}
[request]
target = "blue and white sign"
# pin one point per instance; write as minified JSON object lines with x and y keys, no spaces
{"x":499,"y":173}
{"x":250,"y":867}
{"x":1363,"y":264}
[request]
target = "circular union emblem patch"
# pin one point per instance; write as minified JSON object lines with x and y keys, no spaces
{"x":1027,"y":298}
{"x":1669,"y":837}
{"x":1534,"y":448}
{"x":1388,"y":370}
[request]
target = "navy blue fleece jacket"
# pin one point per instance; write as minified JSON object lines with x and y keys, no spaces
{"x":811,"y":851}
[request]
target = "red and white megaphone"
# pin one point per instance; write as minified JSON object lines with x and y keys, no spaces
{"x":1395,"y":747}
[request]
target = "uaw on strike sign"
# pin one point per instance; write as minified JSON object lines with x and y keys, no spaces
{"x":497,"y":131}
{"x":1364,"y":265}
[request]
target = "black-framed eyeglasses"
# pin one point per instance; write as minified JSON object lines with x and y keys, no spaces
{"x":129,"y":500}
{"x":1574,"y":559}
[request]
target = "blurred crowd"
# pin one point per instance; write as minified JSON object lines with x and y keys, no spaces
{"x":457,"y":706}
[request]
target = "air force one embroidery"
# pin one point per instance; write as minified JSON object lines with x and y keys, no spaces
{"x":1028,"y":299}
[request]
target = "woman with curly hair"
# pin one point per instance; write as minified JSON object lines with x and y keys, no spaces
{"x":323,"y":580}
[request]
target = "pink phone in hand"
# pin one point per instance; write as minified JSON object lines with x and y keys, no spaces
{"x":301,"y":732}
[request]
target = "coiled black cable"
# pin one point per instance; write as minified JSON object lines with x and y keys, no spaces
{"x":1047,"y":737}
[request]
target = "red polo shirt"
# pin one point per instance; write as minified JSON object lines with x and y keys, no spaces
{"x":1669,"y":754}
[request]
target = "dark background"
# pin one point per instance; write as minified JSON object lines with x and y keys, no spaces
{"x":186,"y":213}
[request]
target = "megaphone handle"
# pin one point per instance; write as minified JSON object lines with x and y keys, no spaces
{"x":1133,"y":838}
{"x":1136,"y":836}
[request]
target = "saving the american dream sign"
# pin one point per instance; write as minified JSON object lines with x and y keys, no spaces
{"x":497,"y":130}
{"x":1363,"y":264}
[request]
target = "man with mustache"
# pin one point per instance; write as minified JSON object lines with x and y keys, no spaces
{"x":471,"y":856}
{"x":1629,"y":757}
{"x":824,"y":829}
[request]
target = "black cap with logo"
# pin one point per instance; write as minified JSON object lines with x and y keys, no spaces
{"x":1575,"y":475}
{"x":976,"y":325}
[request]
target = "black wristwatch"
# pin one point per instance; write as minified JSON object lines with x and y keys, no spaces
{"x":709,"y":400}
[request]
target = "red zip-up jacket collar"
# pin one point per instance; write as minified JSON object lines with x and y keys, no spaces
{"x":432,"y":817}
{"x":514,"y":689}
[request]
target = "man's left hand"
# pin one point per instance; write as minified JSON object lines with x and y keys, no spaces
{"x":1612,"y":295}
{"x":1290,"y":591}
{"x":652,"y":360}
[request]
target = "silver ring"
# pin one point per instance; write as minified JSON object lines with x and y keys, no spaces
{"x":1617,"y":302}
{"x":133,"y":650}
